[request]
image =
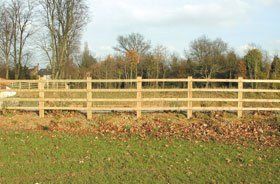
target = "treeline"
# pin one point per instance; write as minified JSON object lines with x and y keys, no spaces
{"x":55,"y":29}
{"x":204,"y":58}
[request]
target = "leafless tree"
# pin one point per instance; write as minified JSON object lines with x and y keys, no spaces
{"x":209,"y":54}
{"x":7,"y":30}
{"x":22,"y":12}
{"x":133,"y":42}
{"x":133,"y":46}
{"x":64,"y":21}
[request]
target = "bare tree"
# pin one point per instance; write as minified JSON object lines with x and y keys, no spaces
{"x":133,"y":42}
{"x":22,"y":12}
{"x":133,"y":46}
{"x":64,"y":21}
{"x":161,"y":56}
{"x":209,"y":54}
{"x":7,"y":30}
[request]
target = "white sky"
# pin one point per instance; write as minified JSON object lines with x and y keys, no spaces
{"x":174,"y":23}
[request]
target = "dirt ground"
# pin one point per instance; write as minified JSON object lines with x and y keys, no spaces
{"x":260,"y":128}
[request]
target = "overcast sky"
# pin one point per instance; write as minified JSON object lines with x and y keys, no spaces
{"x":174,"y":23}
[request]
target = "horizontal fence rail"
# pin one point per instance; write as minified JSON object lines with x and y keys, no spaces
{"x":44,"y":92}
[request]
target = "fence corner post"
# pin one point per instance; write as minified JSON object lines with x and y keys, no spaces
{"x":89,"y":98}
{"x":139,"y":97}
{"x":240,"y":97}
{"x":190,"y":96}
{"x":41,"y":86}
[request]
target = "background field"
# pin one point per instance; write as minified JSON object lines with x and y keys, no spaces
{"x":64,"y":94}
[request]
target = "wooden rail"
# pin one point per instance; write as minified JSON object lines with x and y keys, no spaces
{"x":61,"y":93}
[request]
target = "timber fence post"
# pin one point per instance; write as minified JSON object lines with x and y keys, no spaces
{"x":139,"y":97}
{"x":190,"y":95}
{"x":240,"y":97}
{"x":89,"y":98}
{"x":41,"y":87}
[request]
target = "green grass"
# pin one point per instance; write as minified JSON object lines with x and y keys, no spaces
{"x":43,"y":157}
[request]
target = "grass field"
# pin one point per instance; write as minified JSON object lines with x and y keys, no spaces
{"x":148,"y":85}
{"x":131,"y":95}
{"x":55,"y":157}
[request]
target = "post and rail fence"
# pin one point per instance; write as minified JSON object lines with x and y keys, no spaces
{"x":41,"y":88}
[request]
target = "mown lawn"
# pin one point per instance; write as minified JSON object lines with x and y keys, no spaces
{"x":48,"y":157}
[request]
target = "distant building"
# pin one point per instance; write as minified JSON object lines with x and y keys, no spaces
{"x":33,"y":72}
{"x":45,"y":73}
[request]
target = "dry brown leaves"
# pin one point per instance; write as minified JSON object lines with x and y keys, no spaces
{"x":259,"y":129}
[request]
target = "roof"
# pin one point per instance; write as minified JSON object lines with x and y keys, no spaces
{"x":4,"y":82}
{"x":43,"y":72}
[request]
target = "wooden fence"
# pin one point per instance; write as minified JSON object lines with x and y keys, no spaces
{"x":41,"y":88}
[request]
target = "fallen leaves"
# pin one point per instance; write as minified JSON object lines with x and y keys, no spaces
{"x":261,"y":130}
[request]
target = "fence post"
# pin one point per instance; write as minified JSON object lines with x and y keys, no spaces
{"x":89,"y":98}
{"x":240,"y":97}
{"x":190,"y":95}
{"x":139,"y":97}
{"x":41,"y":86}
